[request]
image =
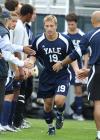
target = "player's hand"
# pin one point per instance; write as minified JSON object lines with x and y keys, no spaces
{"x":83,"y":73}
{"x":58,"y":66}
{"x":28,"y":50}
{"x":28,"y":63}
{"x":34,"y":71}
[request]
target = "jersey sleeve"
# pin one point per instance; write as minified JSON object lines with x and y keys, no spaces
{"x":81,"y":49}
{"x":6,"y":45}
{"x":8,"y":56}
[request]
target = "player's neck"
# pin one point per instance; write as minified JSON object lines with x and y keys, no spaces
{"x":73,"y":31}
{"x":52,"y":37}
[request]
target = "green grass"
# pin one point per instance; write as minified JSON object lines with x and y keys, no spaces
{"x":72,"y":130}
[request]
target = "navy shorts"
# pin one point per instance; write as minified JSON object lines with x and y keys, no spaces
{"x":17,"y":84}
{"x":12,"y":85}
{"x":51,"y":84}
{"x":9,"y":86}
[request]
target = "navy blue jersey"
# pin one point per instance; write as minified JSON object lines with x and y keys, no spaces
{"x":75,"y":37}
{"x":92,"y":40}
{"x":76,"y":40}
{"x":49,"y":52}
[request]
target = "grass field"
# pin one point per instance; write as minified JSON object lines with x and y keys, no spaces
{"x":72,"y":130}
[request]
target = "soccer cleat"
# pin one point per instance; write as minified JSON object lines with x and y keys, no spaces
{"x":25,"y":124}
{"x":59,"y":121}
{"x":8,"y":128}
{"x":16,"y":128}
{"x":1,"y":128}
{"x":51,"y":131}
{"x":78,"y":117}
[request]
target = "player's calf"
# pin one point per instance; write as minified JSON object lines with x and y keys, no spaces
{"x":60,"y":117}
{"x":59,"y":121}
{"x":48,"y":116}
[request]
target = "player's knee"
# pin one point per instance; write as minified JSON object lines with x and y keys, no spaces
{"x":59,"y":101}
{"x":47,"y":107}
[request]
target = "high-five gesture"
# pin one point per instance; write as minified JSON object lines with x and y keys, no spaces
{"x":27,"y":49}
{"x":28,"y":63}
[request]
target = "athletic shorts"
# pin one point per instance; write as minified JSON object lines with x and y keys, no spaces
{"x":17,"y":84}
{"x":9,"y":86}
{"x":94,"y":83}
{"x":51,"y":84}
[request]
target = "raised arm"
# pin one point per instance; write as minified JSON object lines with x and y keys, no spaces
{"x":77,"y":53}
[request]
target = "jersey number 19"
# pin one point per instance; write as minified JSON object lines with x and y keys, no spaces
{"x":53,"y":57}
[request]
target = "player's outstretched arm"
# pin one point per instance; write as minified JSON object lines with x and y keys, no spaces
{"x":83,"y":73}
{"x":75,"y":66}
{"x":28,"y":50}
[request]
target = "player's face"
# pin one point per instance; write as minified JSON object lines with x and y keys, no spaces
{"x":29,"y":17}
{"x":50,"y":28}
{"x":12,"y":23}
{"x":72,"y":25}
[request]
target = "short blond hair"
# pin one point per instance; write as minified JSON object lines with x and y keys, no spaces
{"x":50,"y":18}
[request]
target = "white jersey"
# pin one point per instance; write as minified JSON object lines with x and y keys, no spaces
{"x":10,"y":71}
{"x":20,"y":36}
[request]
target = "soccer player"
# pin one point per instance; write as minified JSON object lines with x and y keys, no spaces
{"x":50,"y":48}
{"x":27,"y":13}
{"x":91,"y":39}
{"x":76,"y":34}
{"x":7,"y":49}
